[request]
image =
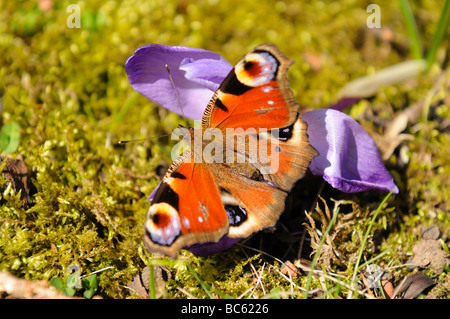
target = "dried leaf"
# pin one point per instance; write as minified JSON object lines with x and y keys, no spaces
{"x":137,"y":286}
{"x":388,"y":287}
{"x":329,"y":252}
{"x":289,"y":269}
{"x":413,"y":286}
{"x":16,"y":172}
{"x":305,"y":266}
{"x":140,"y":282}
{"x":369,"y":85}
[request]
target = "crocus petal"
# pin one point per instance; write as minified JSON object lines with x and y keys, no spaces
{"x":148,"y":75}
{"x":349,"y":159}
{"x":207,"y":72}
{"x":207,"y":249}
{"x":152,"y":195}
{"x":344,"y":103}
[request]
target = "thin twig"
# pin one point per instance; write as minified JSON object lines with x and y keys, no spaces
{"x":28,"y":289}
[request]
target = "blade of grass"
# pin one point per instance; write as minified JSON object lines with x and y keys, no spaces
{"x":152,"y":262}
{"x":201,"y":282}
{"x":411,"y":28}
{"x":441,"y":30}
{"x":318,"y":272}
{"x":151,"y":282}
{"x":366,"y":236}
{"x":371,"y":260}
{"x":119,"y":116}
{"x":206,"y":287}
{"x":316,"y":255}
{"x":90,"y":114}
{"x":171,"y":263}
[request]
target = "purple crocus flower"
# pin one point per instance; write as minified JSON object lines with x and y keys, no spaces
{"x":348,"y":157}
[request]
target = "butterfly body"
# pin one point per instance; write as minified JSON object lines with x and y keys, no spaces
{"x":250,"y":150}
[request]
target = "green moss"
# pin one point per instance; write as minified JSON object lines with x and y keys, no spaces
{"x":68,"y":91}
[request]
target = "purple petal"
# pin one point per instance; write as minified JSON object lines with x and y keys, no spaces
{"x":344,"y":103}
{"x":200,"y":71}
{"x":152,"y":195}
{"x":349,"y":159}
{"x":147,"y":74}
{"x":207,"y":249}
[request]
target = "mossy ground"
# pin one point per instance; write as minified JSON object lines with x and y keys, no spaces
{"x":68,"y":91}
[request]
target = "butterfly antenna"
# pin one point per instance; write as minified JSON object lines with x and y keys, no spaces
{"x":179,"y":103}
{"x":176,"y":93}
{"x":141,"y":139}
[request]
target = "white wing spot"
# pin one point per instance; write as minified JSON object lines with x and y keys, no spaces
{"x":186,"y":222}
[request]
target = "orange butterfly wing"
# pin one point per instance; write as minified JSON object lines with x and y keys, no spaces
{"x":255,"y":93}
{"x":186,"y":209}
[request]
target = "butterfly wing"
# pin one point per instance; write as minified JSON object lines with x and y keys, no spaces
{"x":255,"y":103}
{"x":185,"y":210}
{"x":281,"y":156}
{"x":251,"y":204}
{"x":255,"y":93}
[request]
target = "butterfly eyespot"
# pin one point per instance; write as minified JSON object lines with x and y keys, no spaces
{"x":163,"y":224}
{"x":160,"y":219}
{"x":248,"y":65}
{"x":236,"y":215}
{"x":257,"y":69}
{"x":284,"y":133}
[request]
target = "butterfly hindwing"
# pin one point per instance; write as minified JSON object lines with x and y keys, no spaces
{"x":251,"y":204}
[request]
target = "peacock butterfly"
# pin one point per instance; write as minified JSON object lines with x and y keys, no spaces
{"x":251,"y":149}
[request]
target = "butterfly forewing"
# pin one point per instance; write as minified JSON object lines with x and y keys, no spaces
{"x":186,"y":209}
